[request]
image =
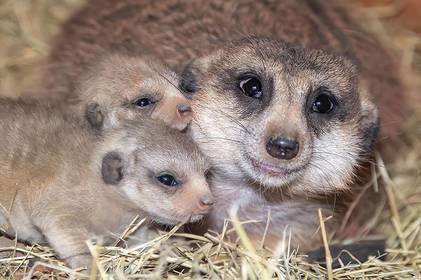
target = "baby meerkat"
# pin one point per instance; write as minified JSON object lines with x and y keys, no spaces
{"x":121,"y":88}
{"x":60,"y":184}
{"x":292,"y":123}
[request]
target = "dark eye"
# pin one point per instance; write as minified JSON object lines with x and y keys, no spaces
{"x":324,"y":102}
{"x":143,"y":102}
{"x":251,"y":86}
{"x":167,"y":180}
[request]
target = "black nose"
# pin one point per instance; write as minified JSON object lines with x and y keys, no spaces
{"x":282,"y":148}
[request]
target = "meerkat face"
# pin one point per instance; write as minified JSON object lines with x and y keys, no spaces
{"x":165,"y":175}
{"x":280,"y":115}
{"x":125,"y":88}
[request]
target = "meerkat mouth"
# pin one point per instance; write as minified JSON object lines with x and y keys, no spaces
{"x":273,"y":169}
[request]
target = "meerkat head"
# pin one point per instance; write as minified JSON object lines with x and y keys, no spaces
{"x":280,"y":115}
{"x":159,"y":170}
{"x":123,"y":88}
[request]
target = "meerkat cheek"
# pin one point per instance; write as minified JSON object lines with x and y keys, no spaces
{"x":133,"y":193}
{"x":335,"y":157}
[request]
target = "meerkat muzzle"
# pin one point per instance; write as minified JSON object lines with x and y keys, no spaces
{"x":205,"y":203}
{"x":282,"y":148}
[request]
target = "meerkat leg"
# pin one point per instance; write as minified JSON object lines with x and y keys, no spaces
{"x":68,"y":238}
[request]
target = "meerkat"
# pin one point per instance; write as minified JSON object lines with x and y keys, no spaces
{"x":120,"y":88}
{"x":294,"y":125}
{"x":178,"y":31}
{"x":61,"y":185}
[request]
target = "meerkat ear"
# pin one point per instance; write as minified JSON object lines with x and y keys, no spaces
{"x":112,"y":169}
{"x":370,"y":124}
{"x":189,"y":79}
{"x":193,"y":73}
{"x":94,"y":115}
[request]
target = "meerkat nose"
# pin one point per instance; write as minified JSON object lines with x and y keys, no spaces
{"x":206,"y":202}
{"x":183,"y":108}
{"x":282,"y":148}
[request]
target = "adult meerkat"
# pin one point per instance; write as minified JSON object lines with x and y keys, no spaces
{"x":119,"y":88}
{"x":294,"y":124}
{"x":61,"y":185}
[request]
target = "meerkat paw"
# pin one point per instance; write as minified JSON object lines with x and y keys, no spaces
{"x":81,"y":262}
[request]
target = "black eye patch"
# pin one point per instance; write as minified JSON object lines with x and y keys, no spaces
{"x":326,"y":107}
{"x":324,"y":102}
{"x":252,"y":91}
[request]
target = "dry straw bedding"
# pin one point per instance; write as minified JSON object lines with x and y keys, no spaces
{"x":25,"y":29}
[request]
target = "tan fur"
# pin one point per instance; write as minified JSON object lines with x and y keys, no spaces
{"x":117,"y":81}
{"x":53,"y":186}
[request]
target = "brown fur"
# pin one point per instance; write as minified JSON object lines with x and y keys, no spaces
{"x":61,"y":185}
{"x":178,"y":31}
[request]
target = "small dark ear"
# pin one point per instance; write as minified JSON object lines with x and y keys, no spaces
{"x":370,"y":125}
{"x":94,"y":116}
{"x":189,"y":79}
{"x":194,"y":71}
{"x":112,"y":168}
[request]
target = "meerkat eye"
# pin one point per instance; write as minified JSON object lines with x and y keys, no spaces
{"x":251,"y":86}
{"x":168,"y":180}
{"x":324,"y":103}
{"x":143,"y":102}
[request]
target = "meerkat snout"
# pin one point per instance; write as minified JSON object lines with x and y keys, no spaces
{"x":207,"y":200}
{"x":282,"y":148}
{"x":183,"y":108}
{"x":184,"y":111}
{"x":205,"y":203}
{"x":195,"y":200}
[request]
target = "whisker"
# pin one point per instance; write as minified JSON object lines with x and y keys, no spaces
{"x":168,"y":80}
{"x":229,"y":117}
